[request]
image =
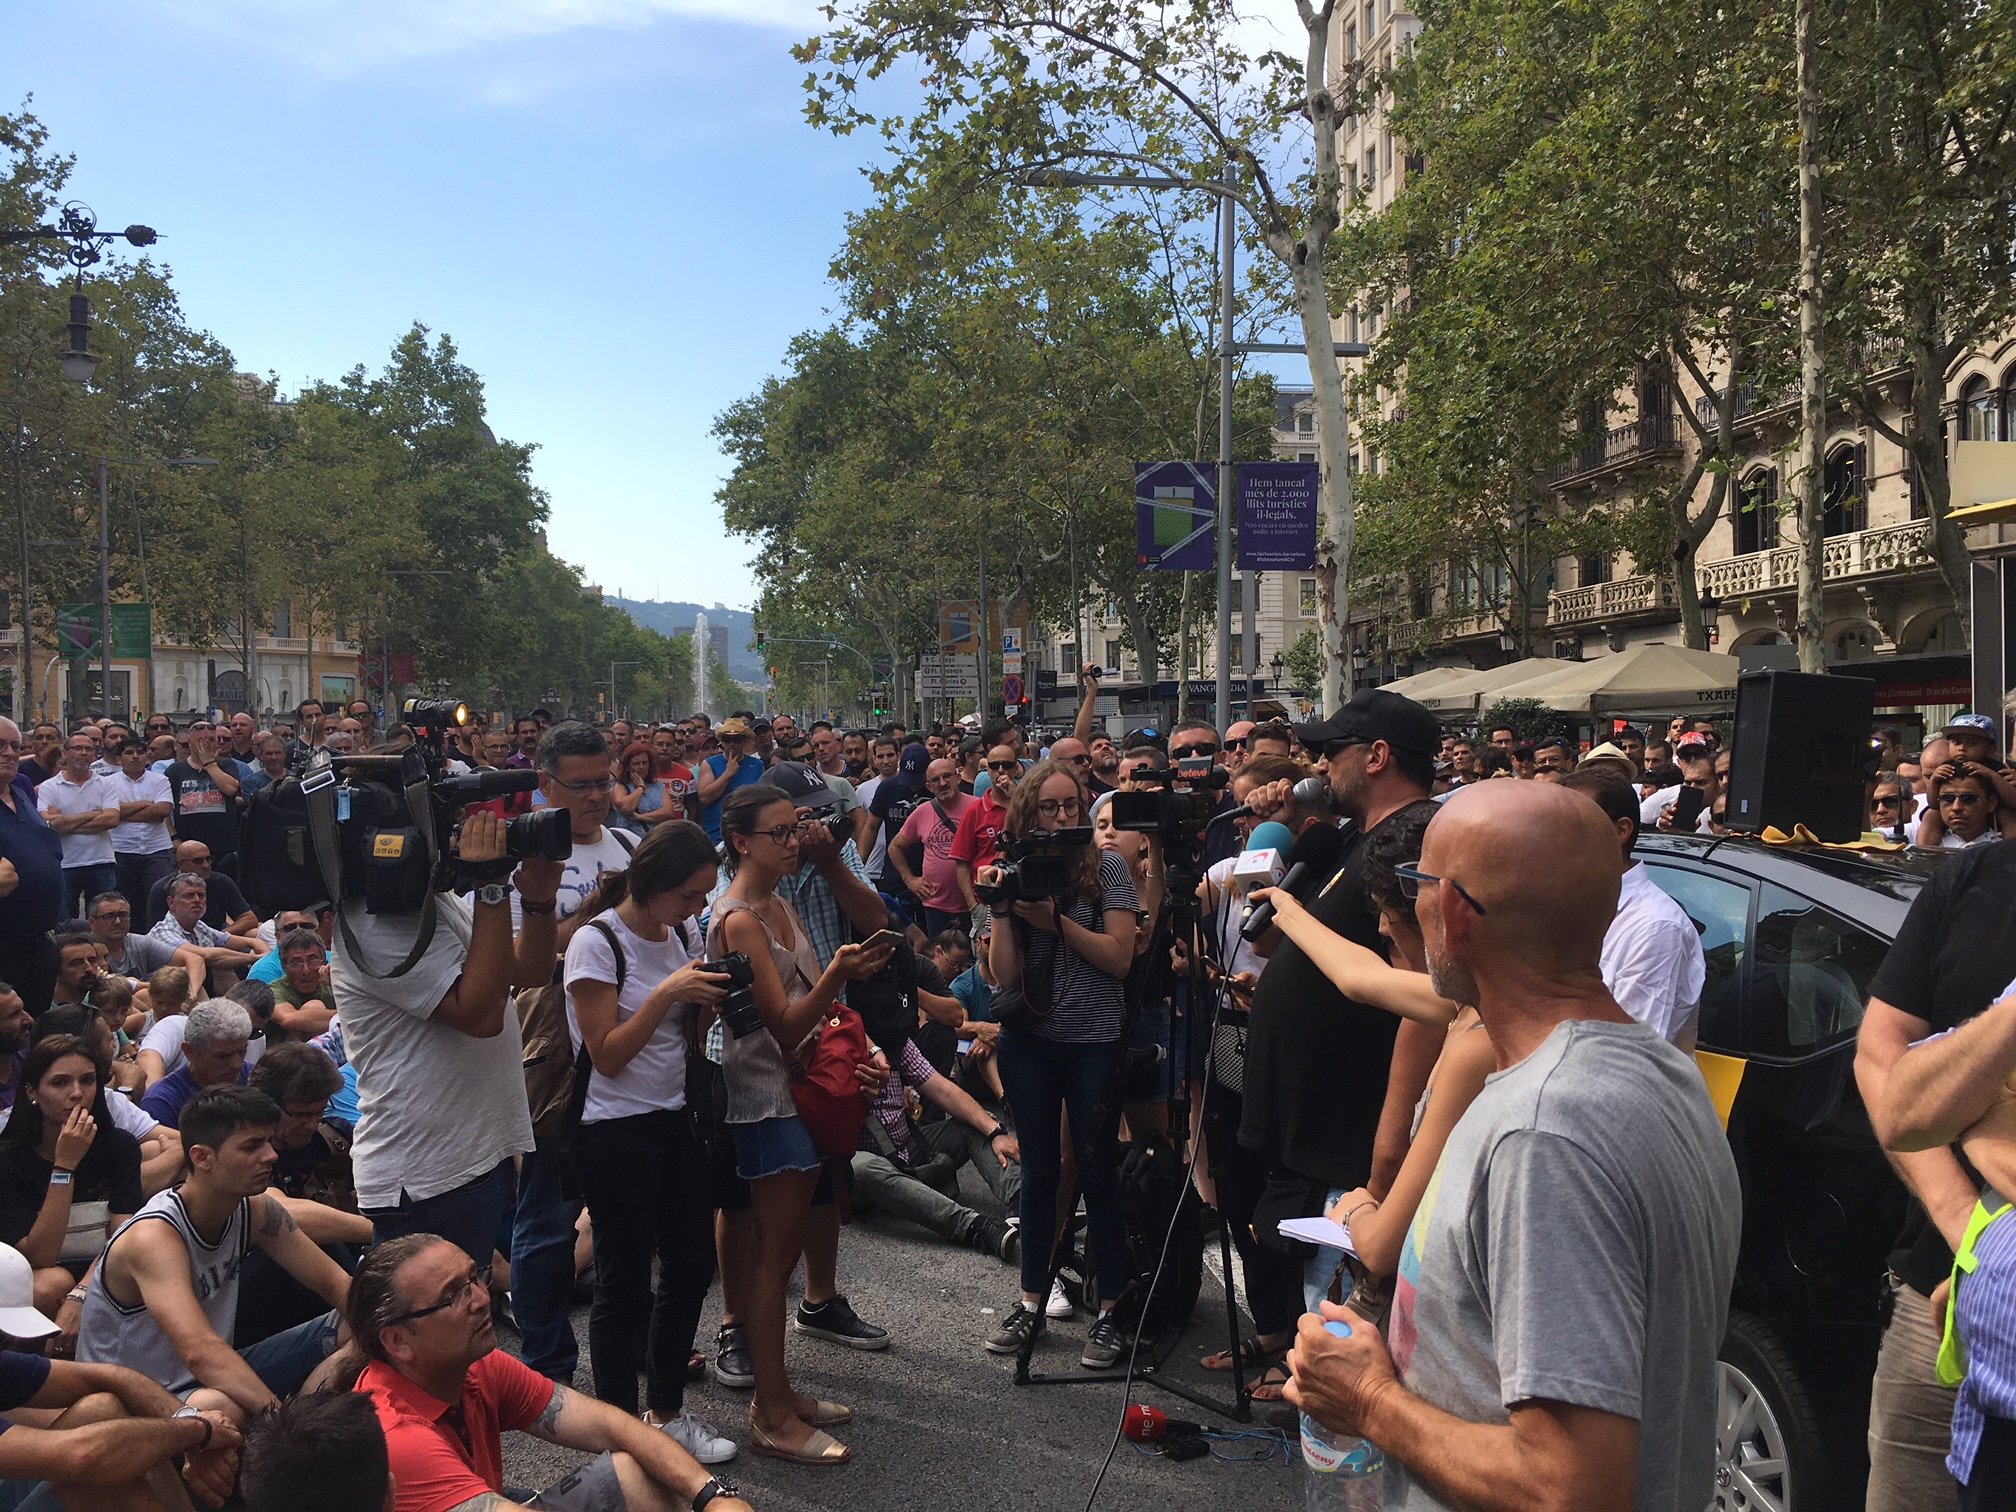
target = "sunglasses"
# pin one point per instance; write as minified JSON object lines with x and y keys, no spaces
{"x":1881,"y":802}
{"x":1411,"y":878}
{"x":1004,"y":766}
{"x":1193,"y":750}
{"x":1236,"y":743}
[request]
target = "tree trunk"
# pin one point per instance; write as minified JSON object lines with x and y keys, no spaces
{"x":1945,"y":539}
{"x":1812,"y":365}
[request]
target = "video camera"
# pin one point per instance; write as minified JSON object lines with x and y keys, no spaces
{"x":1185,"y":798}
{"x":1043,"y":864}
{"x":382,"y":827}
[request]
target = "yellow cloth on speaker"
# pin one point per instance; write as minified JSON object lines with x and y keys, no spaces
{"x":1724,"y":1076}
{"x":1870,"y":841}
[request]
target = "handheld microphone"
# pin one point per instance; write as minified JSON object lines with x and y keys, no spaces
{"x":1308,"y":793}
{"x":1146,"y":1424}
{"x":1316,"y":853}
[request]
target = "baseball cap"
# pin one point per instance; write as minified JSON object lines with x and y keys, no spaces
{"x":1974,"y":724}
{"x":801,"y":785}
{"x":18,"y":1317}
{"x":1376,"y":714}
{"x":914,"y":761}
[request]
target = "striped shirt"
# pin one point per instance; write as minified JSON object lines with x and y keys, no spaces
{"x":1087,"y":1004}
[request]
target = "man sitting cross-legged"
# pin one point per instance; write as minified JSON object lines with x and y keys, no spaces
{"x":164,"y":1299}
{"x":420,"y":1310}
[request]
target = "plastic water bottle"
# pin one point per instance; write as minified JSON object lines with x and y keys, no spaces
{"x":1340,"y":1474}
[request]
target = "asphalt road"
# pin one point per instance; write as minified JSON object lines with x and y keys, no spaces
{"x":940,"y":1423}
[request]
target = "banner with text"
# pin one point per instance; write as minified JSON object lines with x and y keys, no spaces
{"x":1277,"y":515}
{"x":1175,"y":506}
{"x":132,"y":630}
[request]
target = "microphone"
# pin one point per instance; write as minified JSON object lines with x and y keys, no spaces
{"x":1146,"y":1424}
{"x":1310,"y":792}
{"x":1316,"y":854}
{"x":1263,"y":860}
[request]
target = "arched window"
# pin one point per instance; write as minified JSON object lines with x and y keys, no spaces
{"x":1847,"y":510}
{"x":1980,"y":411}
{"x":1756,"y":522}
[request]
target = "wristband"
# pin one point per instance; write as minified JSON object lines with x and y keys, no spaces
{"x":526,"y":905}
{"x":999,"y":1133}
{"x":77,"y":1294}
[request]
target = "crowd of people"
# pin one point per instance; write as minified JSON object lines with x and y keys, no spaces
{"x":266,"y":1200}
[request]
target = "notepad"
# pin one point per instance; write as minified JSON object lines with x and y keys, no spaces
{"x":1319,"y":1230}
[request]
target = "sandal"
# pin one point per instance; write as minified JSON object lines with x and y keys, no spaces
{"x":820,"y":1449}
{"x":1269,"y":1387}
{"x":1252,"y":1356}
{"x":830,"y":1415}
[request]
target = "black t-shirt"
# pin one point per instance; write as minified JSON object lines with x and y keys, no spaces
{"x":1316,"y":1060}
{"x":203,"y":811}
{"x":296,"y":1168}
{"x":890,"y":792}
{"x":222,"y":903}
{"x":1954,"y":955}
{"x":110,"y":1174}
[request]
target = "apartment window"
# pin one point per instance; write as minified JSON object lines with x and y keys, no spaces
{"x":1112,"y":655}
{"x":1305,"y":456}
{"x":1981,"y":414}
{"x":1371,"y":169}
{"x":1067,"y":660}
{"x":1305,"y":600}
{"x":1593,"y":569}
{"x":1112,"y":611}
{"x":283,"y":620}
{"x":1305,"y":423}
{"x":1756,"y":524}
{"x":1371,"y":20}
{"x":1846,"y":497}
{"x":1351,"y":43}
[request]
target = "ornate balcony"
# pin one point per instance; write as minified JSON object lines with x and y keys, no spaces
{"x":1863,"y":553}
{"x":1622,"y":446}
{"x":1620,"y":598}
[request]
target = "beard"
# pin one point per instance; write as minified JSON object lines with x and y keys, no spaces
{"x":1451,"y":978}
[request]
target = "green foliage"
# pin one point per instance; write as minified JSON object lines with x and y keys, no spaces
{"x":1530,"y":719}
{"x":1303,"y":662}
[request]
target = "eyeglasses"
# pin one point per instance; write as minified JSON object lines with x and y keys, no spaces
{"x":1050,"y":808}
{"x":1411,"y":878}
{"x":591,"y":785}
{"x":781,"y":835}
{"x":454,"y":1299}
{"x":1193,"y":750}
{"x":1335,"y":748}
{"x":9,"y":747}
{"x":113,"y":918}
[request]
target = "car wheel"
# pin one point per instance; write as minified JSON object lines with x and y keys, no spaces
{"x":1767,"y":1435}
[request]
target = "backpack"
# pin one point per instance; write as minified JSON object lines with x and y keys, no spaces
{"x":887,"y":1001}
{"x":556,"y":1076}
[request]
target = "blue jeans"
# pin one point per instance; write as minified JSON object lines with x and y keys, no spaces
{"x":468,"y":1216}
{"x":1320,"y":1269}
{"x":542,"y":1264}
{"x":1042,"y":1079}
{"x":285,"y":1361}
{"x":83,"y":883}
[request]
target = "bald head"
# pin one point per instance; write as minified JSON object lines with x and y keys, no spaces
{"x":1542,"y":865}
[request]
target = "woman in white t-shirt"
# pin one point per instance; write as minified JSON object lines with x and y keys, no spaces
{"x":640,"y":1164}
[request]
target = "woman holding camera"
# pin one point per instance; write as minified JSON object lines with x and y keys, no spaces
{"x":1062,"y":966}
{"x":636,"y":998}
{"x":774,"y":1152}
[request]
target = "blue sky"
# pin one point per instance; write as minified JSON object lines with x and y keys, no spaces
{"x":613,"y":206}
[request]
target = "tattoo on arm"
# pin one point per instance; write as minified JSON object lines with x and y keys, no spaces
{"x":549,"y":1420}
{"x":489,"y":1501}
{"x":278,"y":1220}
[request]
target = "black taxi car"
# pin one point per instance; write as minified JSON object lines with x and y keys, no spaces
{"x":1793,"y":938}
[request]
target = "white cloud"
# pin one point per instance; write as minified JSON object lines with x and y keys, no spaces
{"x":340,"y":38}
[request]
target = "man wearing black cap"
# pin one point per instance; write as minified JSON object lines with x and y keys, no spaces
{"x":1330,"y":1089}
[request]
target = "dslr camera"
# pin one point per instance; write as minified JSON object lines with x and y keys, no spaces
{"x":1180,"y":804}
{"x":382,"y":828}
{"x":1040,"y":865}
{"x":738,"y":1006}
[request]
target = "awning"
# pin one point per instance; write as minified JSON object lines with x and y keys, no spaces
{"x":1653,"y":679}
{"x":1421,"y":682}
{"x":1463,"y":697}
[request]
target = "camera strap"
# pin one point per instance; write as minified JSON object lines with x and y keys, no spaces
{"x":318,"y":788}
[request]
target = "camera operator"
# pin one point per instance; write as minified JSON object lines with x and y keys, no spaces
{"x":1067,"y":962}
{"x":426,"y":1161}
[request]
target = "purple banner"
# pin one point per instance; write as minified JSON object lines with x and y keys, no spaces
{"x":1175,"y":510}
{"x":1277,"y":515}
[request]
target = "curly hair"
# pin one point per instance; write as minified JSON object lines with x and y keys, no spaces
{"x":1021,"y":819}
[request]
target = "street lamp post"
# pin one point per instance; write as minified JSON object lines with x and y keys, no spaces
{"x":78,"y":226}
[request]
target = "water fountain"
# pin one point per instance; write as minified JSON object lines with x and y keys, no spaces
{"x":700,"y":665}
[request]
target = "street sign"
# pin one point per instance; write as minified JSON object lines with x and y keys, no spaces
{"x":1011,"y":641}
{"x":1011,"y":661}
{"x":132,"y":630}
{"x":1011,"y":689}
{"x":948,"y":677}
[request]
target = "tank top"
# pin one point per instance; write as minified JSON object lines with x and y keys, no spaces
{"x":113,"y":1334}
{"x":756,"y":1069}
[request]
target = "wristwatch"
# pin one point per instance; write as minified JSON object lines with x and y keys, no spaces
{"x":999,"y":1133}
{"x":493,"y":893}
{"x":61,"y":1177}
{"x":715,"y":1487}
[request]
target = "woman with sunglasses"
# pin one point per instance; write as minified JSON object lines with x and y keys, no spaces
{"x":774,"y":1152}
{"x":1067,"y":960}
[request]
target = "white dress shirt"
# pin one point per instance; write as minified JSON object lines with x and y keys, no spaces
{"x":1652,"y":960}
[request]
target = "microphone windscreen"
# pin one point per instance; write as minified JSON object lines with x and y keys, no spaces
{"x":1273,"y":835}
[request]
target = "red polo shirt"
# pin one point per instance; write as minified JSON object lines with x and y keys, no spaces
{"x":979,"y":828}
{"x":435,"y":1467}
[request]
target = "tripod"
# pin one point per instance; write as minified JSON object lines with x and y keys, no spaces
{"x":1180,"y":917}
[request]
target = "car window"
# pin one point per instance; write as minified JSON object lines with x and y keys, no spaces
{"x":1810,"y":978}
{"x":1720,"y":910}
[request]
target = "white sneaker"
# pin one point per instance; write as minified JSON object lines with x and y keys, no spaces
{"x":697,"y":1437}
{"x":1059,"y":1305}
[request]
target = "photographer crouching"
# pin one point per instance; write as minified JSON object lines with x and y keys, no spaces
{"x":439,"y":1064}
{"x":1061,"y":964}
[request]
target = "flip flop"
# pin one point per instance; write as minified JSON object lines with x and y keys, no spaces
{"x":1252,"y":1355}
{"x":820,"y":1449}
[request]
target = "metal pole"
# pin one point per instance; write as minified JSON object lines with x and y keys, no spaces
{"x":981,"y":659}
{"x":1222,"y":714}
{"x":1249,"y":643}
{"x":104,"y":588}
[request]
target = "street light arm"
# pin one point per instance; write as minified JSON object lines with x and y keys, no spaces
{"x":1053,"y":175}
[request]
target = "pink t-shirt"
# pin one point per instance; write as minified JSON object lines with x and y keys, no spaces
{"x":925,"y":828}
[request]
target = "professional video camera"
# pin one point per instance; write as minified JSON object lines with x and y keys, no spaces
{"x":1181,"y":805}
{"x":382,"y":827}
{"x":1043,"y":864}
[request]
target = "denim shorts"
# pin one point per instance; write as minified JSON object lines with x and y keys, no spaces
{"x":773,"y":1146}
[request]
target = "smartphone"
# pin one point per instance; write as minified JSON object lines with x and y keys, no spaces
{"x":1687,"y":808}
{"x":883,"y":937}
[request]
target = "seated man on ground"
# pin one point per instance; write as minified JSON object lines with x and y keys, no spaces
{"x":322,"y":1452}
{"x":303,"y":1000}
{"x":420,"y":1310}
{"x":283,"y":924}
{"x":164,"y":1298}
{"x":225,"y":957}
{"x":214,"y":1037}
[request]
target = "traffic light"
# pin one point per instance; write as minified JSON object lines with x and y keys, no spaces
{"x":759,"y":638}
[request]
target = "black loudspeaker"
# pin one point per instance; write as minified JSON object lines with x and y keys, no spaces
{"x":1801,"y":753}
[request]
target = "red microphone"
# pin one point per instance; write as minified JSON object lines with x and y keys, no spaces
{"x":1145,"y":1424}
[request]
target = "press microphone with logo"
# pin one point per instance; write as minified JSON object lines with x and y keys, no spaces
{"x":1316,"y":854}
{"x":1146,"y":1424}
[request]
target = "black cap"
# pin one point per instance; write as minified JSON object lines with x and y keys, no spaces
{"x":1375,"y":714}
{"x":801,"y":785}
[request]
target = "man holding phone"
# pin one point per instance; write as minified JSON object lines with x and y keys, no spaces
{"x":1690,"y":806}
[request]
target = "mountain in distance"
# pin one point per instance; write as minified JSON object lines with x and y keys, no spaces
{"x":677,"y":619}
